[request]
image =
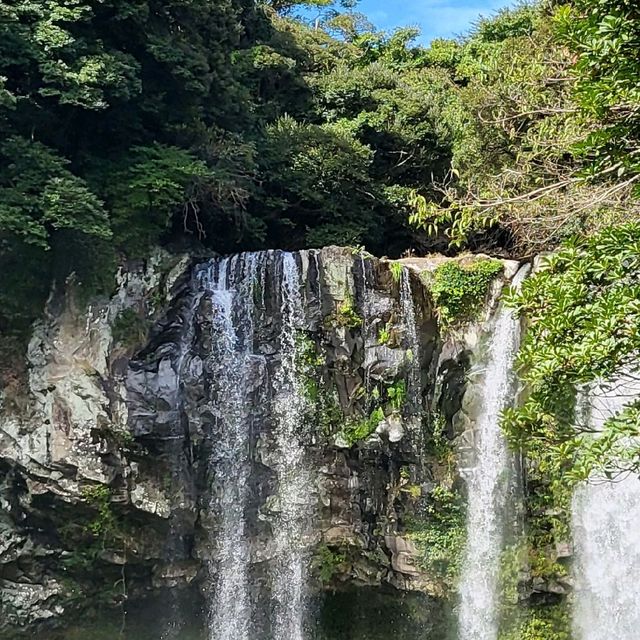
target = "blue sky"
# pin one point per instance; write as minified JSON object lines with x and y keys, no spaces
{"x":436,"y":18}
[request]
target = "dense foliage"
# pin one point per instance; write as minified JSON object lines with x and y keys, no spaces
{"x":583,"y":311}
{"x":440,"y":537}
{"x":241,"y":125}
{"x":229,"y":124}
{"x":541,"y":623}
{"x":460,"y":288}
{"x":546,"y":142}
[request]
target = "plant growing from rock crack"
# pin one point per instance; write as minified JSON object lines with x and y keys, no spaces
{"x":328,"y":562}
{"x":439,"y":532}
{"x":99,"y":497}
{"x":358,"y":429}
{"x":397,"y":395}
{"x":396,"y":269}
{"x":346,"y":314}
{"x":384,"y":334}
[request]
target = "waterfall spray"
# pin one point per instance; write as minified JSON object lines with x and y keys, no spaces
{"x":487,"y":486}
{"x":230,"y":285}
{"x":414,"y":387}
{"x":367,"y":305}
{"x":606,"y":527}
{"x":294,"y":481}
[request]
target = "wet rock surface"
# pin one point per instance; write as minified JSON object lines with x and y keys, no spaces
{"x":106,"y":484}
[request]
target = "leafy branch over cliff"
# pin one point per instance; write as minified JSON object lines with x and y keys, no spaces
{"x":583,"y":310}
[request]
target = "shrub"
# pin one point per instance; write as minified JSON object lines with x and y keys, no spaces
{"x":459,"y":290}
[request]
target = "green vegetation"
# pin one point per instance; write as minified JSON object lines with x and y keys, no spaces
{"x":541,"y":623}
{"x":440,"y":533}
{"x":346,"y":315}
{"x":520,"y":619}
{"x":358,"y":429}
{"x":308,"y":352}
{"x":86,"y":538}
{"x":583,"y":307}
{"x":237,"y":125}
{"x":328,"y":562}
{"x":546,"y":127}
{"x":460,"y":289}
{"x":397,"y":395}
{"x":99,"y":498}
{"x":438,"y":444}
{"x":240,"y":126}
{"x":396,"y":269}
{"x":513,"y":560}
{"x":384,"y":335}
{"x":389,"y":401}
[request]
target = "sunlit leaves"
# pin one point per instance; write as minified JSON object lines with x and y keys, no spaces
{"x":152,"y":184}
{"x":38,"y":195}
{"x":583,"y":313}
{"x":606,"y":39}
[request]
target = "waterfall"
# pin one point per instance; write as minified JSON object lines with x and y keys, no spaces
{"x":487,"y":485}
{"x":230,"y":284}
{"x":294,"y":480}
{"x":606,"y":527}
{"x":412,"y":343}
{"x":367,"y":309}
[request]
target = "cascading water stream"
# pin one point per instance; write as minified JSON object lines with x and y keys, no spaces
{"x":487,"y":485}
{"x":411,"y":340}
{"x":606,"y":532}
{"x":294,"y":481}
{"x":367,"y":304}
{"x":230,"y":284}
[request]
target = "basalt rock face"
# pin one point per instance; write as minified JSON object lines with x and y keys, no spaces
{"x":72,"y":471}
{"x":108,"y":462}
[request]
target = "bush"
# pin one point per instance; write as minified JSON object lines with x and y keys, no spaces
{"x":459,"y":290}
{"x":541,"y":623}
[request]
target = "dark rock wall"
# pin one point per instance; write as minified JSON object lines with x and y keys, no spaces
{"x":104,"y":476}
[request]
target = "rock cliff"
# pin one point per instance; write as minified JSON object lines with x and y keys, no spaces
{"x":109,"y":493}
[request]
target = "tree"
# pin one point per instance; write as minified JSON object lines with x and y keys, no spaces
{"x":39,"y":195}
{"x":583,"y":310}
{"x":605,"y":37}
{"x":522,"y":173}
{"x":319,"y":183}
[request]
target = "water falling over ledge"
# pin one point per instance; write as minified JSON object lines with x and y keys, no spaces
{"x":229,"y":284}
{"x":294,"y":479}
{"x":487,"y":485}
{"x":234,"y":290}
